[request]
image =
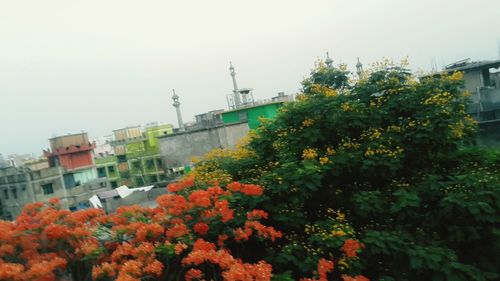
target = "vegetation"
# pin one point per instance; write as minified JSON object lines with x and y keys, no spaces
{"x":388,"y":155}
{"x":375,"y":176}
{"x":197,"y":232}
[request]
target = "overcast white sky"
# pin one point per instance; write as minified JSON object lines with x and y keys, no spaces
{"x":68,"y":66}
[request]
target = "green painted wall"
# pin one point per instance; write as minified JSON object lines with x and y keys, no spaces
{"x":252,"y":114}
{"x":135,"y":147}
{"x":153,"y":132}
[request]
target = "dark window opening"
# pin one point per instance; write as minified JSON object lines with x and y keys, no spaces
{"x":14,"y":192}
{"x":101,"y":172}
{"x":121,"y":158}
{"x":6,"y":193}
{"x":150,"y":163}
{"x":47,"y":188}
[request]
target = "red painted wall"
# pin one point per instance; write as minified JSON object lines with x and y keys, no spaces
{"x":76,"y":160}
{"x":72,"y":157}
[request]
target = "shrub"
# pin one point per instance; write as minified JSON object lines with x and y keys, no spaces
{"x":388,"y":154}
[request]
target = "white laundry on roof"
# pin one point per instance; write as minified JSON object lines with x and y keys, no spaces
{"x":122,"y":191}
{"x":95,"y":201}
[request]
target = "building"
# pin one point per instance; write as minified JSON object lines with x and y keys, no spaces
{"x":178,"y":149}
{"x":482,"y":81}
{"x":75,"y":154}
{"x":252,"y":114}
{"x":68,"y":173}
{"x":136,"y":160}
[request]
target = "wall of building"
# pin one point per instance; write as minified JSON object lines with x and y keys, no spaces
{"x":127,"y":133}
{"x":76,"y":159}
{"x":14,"y":191}
{"x":152,"y":133}
{"x":65,"y":141}
{"x":252,"y":114}
{"x":146,"y":199}
{"x":489,"y":134}
{"x":178,"y":149}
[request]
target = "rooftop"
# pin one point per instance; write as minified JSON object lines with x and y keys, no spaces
{"x":467,"y":65}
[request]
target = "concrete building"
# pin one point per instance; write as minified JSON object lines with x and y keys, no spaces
{"x":137,"y":160}
{"x":178,"y":149}
{"x":482,"y":81}
{"x":68,"y":174}
{"x":75,"y":154}
{"x":252,"y":114}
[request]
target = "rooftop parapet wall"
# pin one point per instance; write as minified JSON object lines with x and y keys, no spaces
{"x":69,"y":140}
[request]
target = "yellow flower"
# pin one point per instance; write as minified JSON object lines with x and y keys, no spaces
{"x":330,"y":150}
{"x":307,"y":122}
{"x":346,"y":107}
{"x":309,"y":153}
{"x":324,"y":160}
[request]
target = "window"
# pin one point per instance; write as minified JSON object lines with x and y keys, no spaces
{"x":136,"y":164}
{"x":150,"y":164}
{"x":6,"y":193}
{"x":102,"y":184}
{"x":114,"y":184}
{"x":159,"y":162}
{"x":47,"y":188}
{"x":111,"y":169}
{"x":14,"y":192}
{"x":101,"y":172}
{"x":121,"y":158}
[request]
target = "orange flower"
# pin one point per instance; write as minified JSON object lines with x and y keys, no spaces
{"x":324,"y":266}
{"x":175,"y":187}
{"x":56,"y":231}
{"x":104,"y":270}
{"x":155,"y":268}
{"x":193,"y":273}
{"x":234,"y":186}
{"x":242,"y":235}
{"x":223,"y":208}
{"x":202,"y":245}
{"x":179,"y":247}
{"x":176,"y":231}
{"x":132,"y":268}
{"x":201,"y":228}
{"x":351,"y":246}
{"x":257,"y":214}
{"x":252,"y":190}
{"x":54,"y":201}
{"x":151,"y":231}
{"x":355,"y":278}
{"x":10,"y":271}
{"x":221,"y":239}
{"x":200,"y":198}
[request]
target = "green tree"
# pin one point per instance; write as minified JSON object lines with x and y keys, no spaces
{"x":388,"y":152}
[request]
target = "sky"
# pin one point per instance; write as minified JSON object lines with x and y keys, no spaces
{"x":95,"y":66}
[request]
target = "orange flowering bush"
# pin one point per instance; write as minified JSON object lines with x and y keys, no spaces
{"x":197,"y":232}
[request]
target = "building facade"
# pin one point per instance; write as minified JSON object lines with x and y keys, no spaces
{"x":137,"y":160}
{"x":69,"y":174}
{"x":178,"y":149}
{"x":252,"y":114}
{"x":482,"y":81}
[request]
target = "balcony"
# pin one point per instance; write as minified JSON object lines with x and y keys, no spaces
{"x":485,"y":104}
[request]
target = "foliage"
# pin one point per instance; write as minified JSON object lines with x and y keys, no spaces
{"x":388,"y":153}
{"x":197,"y":232}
